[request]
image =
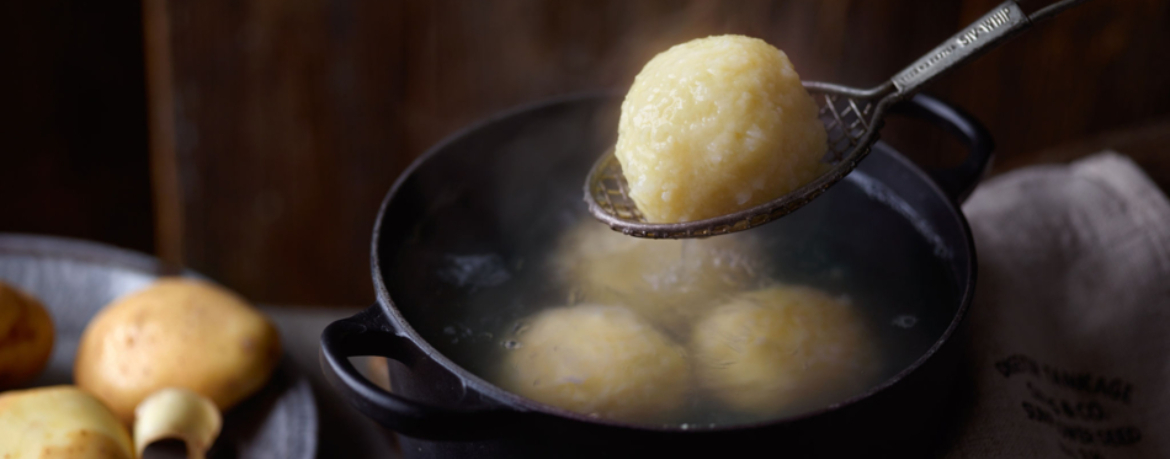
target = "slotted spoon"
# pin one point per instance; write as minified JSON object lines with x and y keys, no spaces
{"x":852,"y":118}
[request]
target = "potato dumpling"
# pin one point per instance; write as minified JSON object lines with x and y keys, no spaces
{"x":176,"y":333}
{"x":717,"y":125}
{"x":664,"y":280}
{"x":59,"y":422}
{"x":598,"y":360}
{"x":783,"y":350}
{"x":26,"y":337}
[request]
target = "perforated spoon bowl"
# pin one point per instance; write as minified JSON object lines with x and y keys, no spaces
{"x":852,"y":118}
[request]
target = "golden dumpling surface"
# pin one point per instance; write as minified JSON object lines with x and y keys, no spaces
{"x":784,"y":350}
{"x":717,"y":125}
{"x":598,"y":360}
{"x":667,"y":281}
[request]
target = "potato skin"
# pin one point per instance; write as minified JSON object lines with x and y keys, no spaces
{"x":176,"y":333}
{"x":26,"y":337}
{"x":59,"y":422}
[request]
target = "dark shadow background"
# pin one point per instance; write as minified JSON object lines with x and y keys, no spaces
{"x":278,"y":126}
{"x":73,"y":148}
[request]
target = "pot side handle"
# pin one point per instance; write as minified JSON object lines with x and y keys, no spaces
{"x":960,"y":181}
{"x":365,"y":334}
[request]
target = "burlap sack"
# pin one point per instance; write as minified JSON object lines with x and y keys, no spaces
{"x":1070,"y":329}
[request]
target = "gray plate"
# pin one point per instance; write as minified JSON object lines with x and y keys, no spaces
{"x":75,"y":279}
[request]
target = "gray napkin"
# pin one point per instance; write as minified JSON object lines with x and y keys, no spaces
{"x":1070,"y":328}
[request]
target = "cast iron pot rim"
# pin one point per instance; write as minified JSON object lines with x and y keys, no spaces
{"x":510,"y":401}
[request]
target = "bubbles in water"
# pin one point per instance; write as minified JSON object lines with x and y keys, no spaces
{"x":905,"y":321}
{"x":675,"y":283}
{"x":475,"y":271}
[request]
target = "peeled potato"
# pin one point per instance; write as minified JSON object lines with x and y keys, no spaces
{"x":26,"y":337}
{"x":783,"y":350}
{"x":598,"y":360}
{"x":717,"y":125}
{"x":176,"y":333}
{"x":669,"y":282}
{"x":59,"y":422}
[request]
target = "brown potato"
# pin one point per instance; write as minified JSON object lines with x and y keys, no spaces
{"x":176,"y":333}
{"x":26,"y":337}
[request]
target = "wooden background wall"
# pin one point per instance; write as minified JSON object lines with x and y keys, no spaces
{"x":73,"y":154}
{"x":278,"y":126}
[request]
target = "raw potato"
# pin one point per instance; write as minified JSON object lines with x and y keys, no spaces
{"x":717,"y":125}
{"x":26,"y":337}
{"x":670,"y":282}
{"x":784,"y":350}
{"x":598,"y":360}
{"x":176,"y":333}
{"x":59,"y":422}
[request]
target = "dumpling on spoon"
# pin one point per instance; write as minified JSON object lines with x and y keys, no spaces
{"x":714,"y":126}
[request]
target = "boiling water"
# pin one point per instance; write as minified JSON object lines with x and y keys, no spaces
{"x":858,"y":240}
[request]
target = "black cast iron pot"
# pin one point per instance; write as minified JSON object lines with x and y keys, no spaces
{"x":496,"y":187}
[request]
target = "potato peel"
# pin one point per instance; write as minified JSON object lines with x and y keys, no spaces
{"x":177,"y":414}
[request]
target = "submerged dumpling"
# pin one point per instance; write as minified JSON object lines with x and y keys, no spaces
{"x":667,"y":281}
{"x":783,"y":350}
{"x":598,"y":360}
{"x":717,"y":125}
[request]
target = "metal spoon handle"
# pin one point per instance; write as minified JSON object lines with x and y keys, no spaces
{"x":987,"y":32}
